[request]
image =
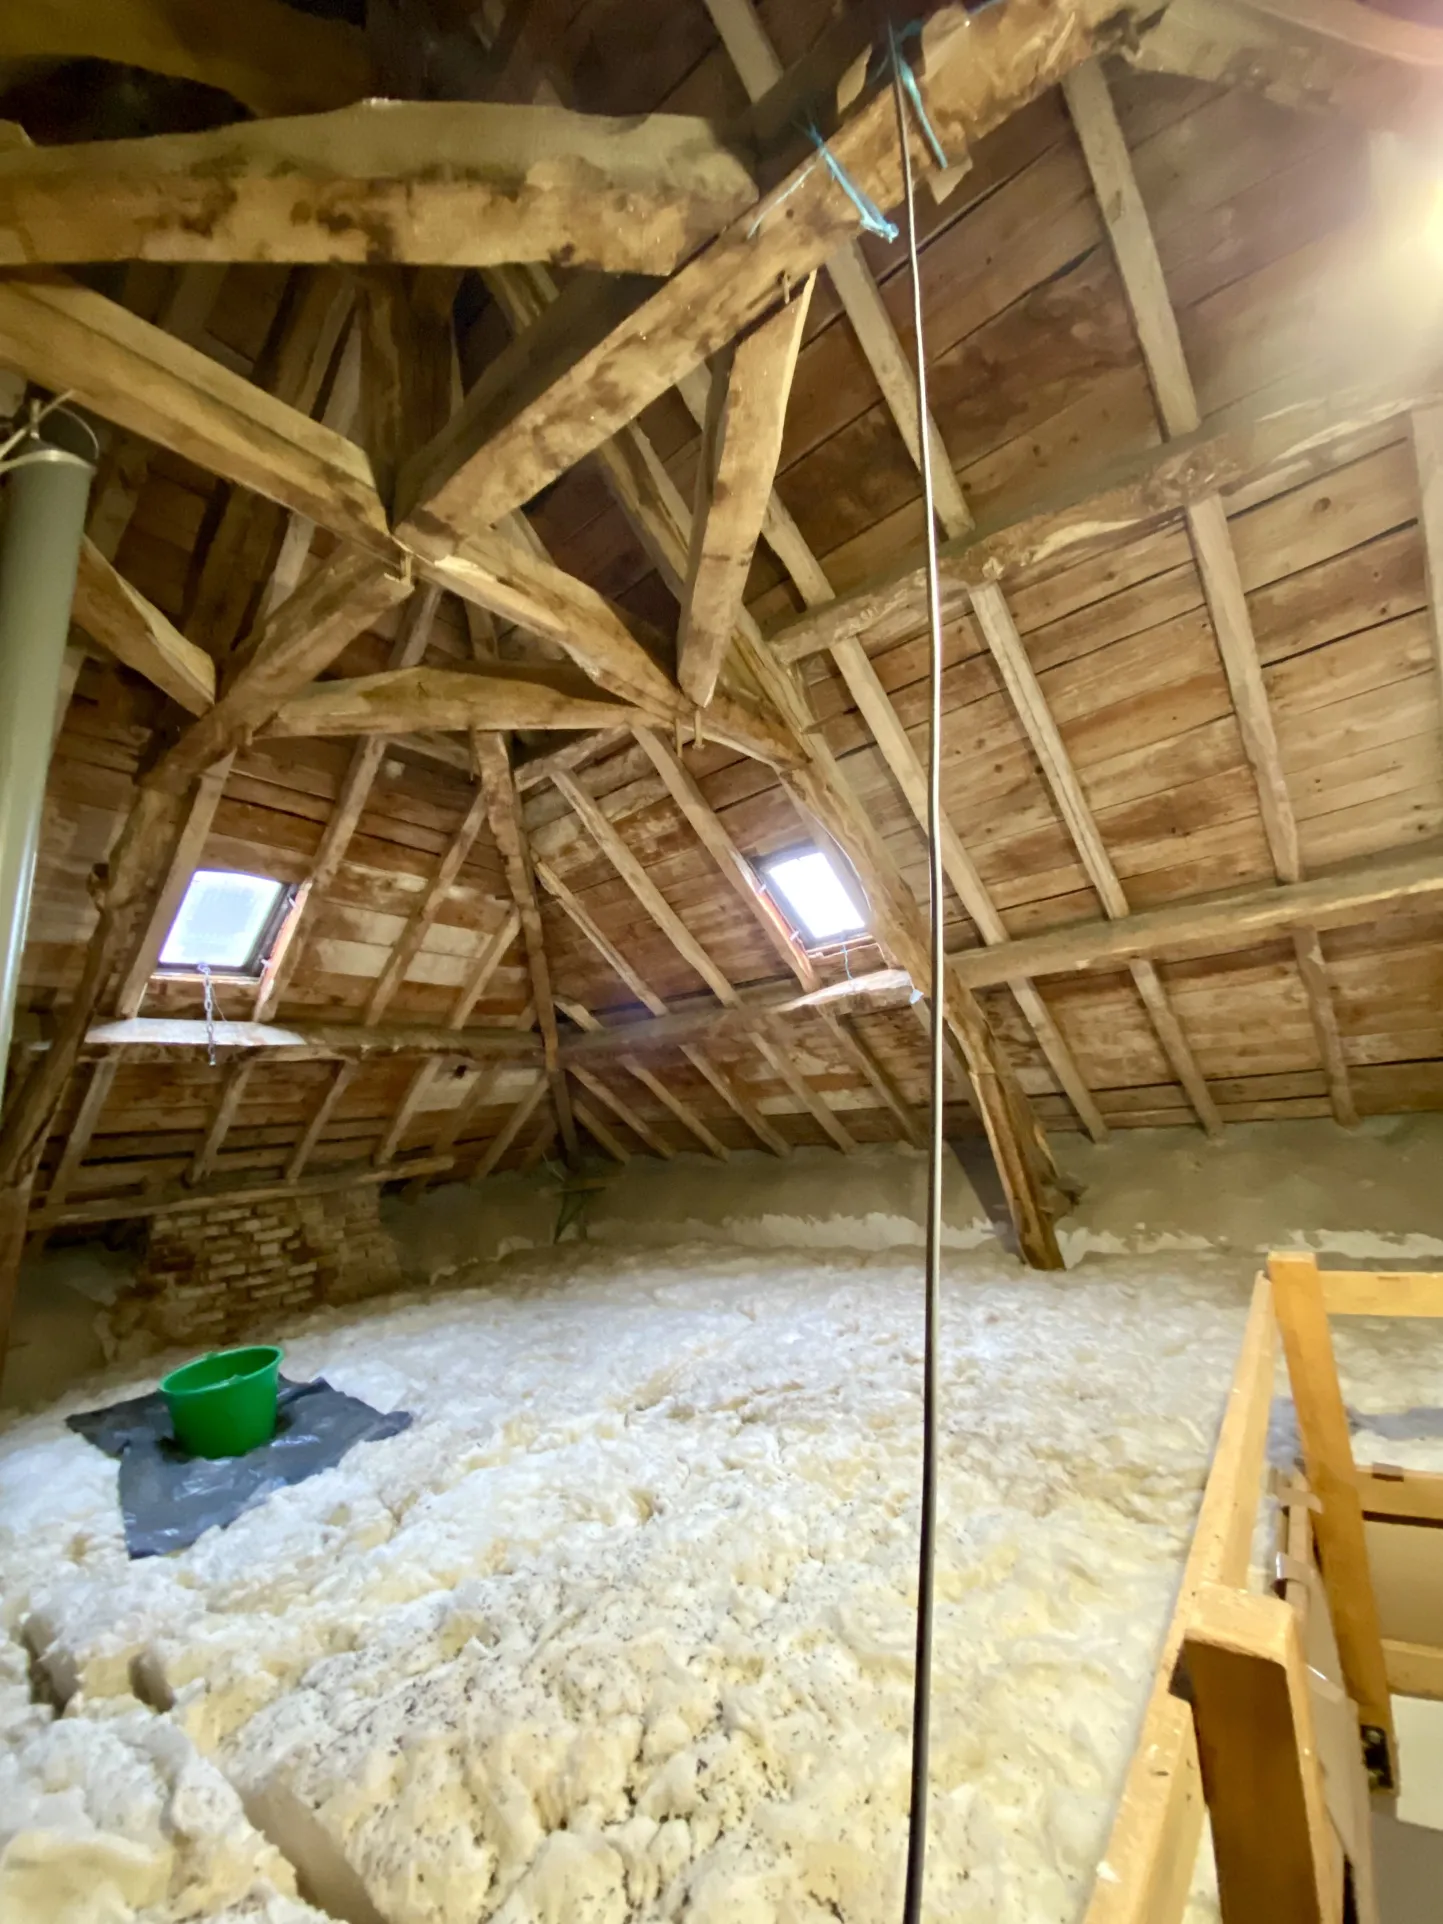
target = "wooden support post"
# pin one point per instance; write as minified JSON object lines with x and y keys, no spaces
{"x":1278,"y":1858}
{"x":1328,"y":1461}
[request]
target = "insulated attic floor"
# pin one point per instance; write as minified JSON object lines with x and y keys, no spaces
{"x":622,"y":1627}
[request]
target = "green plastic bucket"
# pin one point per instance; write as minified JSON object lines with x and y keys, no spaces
{"x":224,"y":1404}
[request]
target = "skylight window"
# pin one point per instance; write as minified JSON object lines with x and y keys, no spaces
{"x":820,"y":903}
{"x":227,"y":922}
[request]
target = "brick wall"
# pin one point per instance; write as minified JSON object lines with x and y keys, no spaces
{"x":232,"y":1272}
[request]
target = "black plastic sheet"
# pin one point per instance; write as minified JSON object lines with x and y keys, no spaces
{"x":168,"y":1499}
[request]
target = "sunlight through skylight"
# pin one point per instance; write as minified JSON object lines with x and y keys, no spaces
{"x":819,"y":902}
{"x":221,"y":920}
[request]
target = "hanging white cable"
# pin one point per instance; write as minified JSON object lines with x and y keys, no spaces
{"x":927,"y":1539}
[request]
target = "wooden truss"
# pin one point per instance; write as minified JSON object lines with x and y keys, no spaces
{"x":362,"y":479}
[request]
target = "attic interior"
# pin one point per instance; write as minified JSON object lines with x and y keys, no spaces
{"x":481,"y":534}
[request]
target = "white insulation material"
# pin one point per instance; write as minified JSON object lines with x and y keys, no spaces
{"x":622,"y":1627}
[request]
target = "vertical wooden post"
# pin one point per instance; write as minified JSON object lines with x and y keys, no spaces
{"x":1328,"y":1460}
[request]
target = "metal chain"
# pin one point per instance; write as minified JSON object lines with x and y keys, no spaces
{"x":209,"y":1011}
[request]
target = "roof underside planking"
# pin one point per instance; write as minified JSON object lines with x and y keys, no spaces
{"x":1197,"y":673}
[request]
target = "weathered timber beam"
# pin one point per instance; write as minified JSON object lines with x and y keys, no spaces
{"x":741,"y":444}
{"x":408,"y":943}
{"x":510,"y":1130}
{"x":159,"y":1038}
{"x":164,"y":1203}
{"x":487,"y":961}
{"x":132,"y":629}
{"x":499,"y":574}
{"x":1238,"y":920}
{"x":343,"y":596}
{"x":227,"y":1106}
{"x":681,"y":785}
{"x":341,"y":1079}
{"x":126,"y":370}
{"x":1280,"y":431}
{"x":405,"y":701}
{"x":515,"y":434}
{"x":366,"y":758}
{"x":268,"y":56}
{"x":1331,"y":57}
{"x":77,"y":1142}
{"x":503,"y":807}
{"x":443,"y":182}
{"x":669,"y":1029}
{"x":994,"y":618}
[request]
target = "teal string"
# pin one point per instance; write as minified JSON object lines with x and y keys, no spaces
{"x":912,"y":90}
{"x":873,"y":220}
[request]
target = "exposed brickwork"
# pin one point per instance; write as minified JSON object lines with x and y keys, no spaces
{"x":231,"y":1273}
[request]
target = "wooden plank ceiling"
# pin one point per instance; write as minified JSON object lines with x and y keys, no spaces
{"x":1174,"y":673}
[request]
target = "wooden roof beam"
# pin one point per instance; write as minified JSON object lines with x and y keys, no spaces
{"x":1287,"y":430}
{"x":161,"y":1038}
{"x":596,"y":1128}
{"x":227,"y":1105}
{"x":503,"y":807}
{"x":409,"y":701}
{"x":513,"y":436}
{"x":207,"y":1195}
{"x":77,"y":1142}
{"x":741,"y":443}
{"x":1135,"y":248}
{"x":427,"y":909}
{"x":410,"y":647}
{"x":128,"y":371}
{"x":683,"y":1111}
{"x":619,"y":1107}
{"x":134,"y":630}
{"x":1241,"y":919}
{"x":999,"y":631}
{"x":734,"y":866}
{"x":442,"y":182}
{"x":342,"y":1077}
{"x":510,"y":1130}
{"x":488,"y":960}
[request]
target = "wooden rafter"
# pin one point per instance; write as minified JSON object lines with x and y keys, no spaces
{"x":408,"y":943}
{"x":736,"y":1099}
{"x":488,"y":959}
{"x":416,"y":1092}
{"x":595,"y":1127}
{"x":682,"y":786}
{"x":668,"y":1098}
{"x":407,"y":701}
{"x":132,"y":629}
{"x":1125,"y":214}
{"x":227,"y":1105}
{"x":342,"y":1077}
{"x":777,"y":1054}
{"x":77,"y":1142}
{"x":994,"y":618}
{"x":493,"y":768}
{"x":164,"y":1038}
{"x":366,"y":758}
{"x":621,"y":1108}
{"x":443,"y":182}
{"x":741,"y":443}
{"x":510,"y":1129}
